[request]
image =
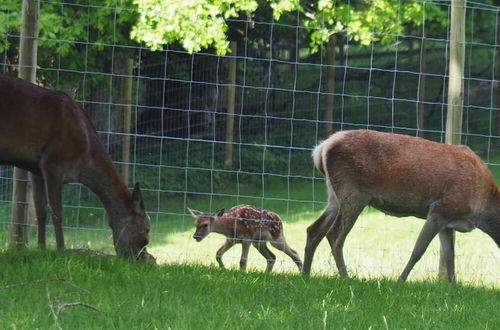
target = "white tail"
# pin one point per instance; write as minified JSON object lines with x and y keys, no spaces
{"x":247,"y":225}
{"x":449,"y":186}
{"x":48,"y":134}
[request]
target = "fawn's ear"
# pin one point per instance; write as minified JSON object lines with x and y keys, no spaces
{"x":195,"y":213}
{"x":137,"y":201}
{"x":219,"y":213}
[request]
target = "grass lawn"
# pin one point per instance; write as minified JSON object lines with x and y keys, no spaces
{"x":47,"y":290}
{"x":378,"y":247}
{"x":188,"y":291}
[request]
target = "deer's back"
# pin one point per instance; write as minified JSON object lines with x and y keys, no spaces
{"x":250,"y":222}
{"x":36,"y":122}
{"x":406,"y":174}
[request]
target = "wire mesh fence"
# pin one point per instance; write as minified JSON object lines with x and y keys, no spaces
{"x":287,"y":98}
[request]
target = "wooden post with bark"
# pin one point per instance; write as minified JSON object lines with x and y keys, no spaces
{"x":496,"y":95}
{"x":27,"y":70}
{"x":453,"y":134}
{"x":127,"y":118}
{"x":328,"y":110}
{"x":231,"y":95}
{"x":421,"y":87}
{"x":456,"y":71}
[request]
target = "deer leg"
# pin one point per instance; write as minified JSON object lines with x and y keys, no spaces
{"x":433,"y":225}
{"x":40,"y":201}
{"x":282,"y":245}
{"x":342,"y":226}
{"x":316,"y":232}
{"x":264,"y":250}
{"x":226,"y":246}
{"x":447,"y":254}
{"x":245,"y":247}
{"x":54,"y":194}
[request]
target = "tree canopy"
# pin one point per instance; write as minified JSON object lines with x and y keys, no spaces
{"x":203,"y":24}
{"x":198,"y":24}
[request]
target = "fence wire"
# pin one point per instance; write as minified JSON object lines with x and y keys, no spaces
{"x":180,"y":105}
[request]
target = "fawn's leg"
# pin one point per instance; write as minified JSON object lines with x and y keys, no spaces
{"x":282,"y":245}
{"x":245,"y":247}
{"x":264,"y":250}
{"x":226,"y":246}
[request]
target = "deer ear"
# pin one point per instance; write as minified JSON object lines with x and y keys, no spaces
{"x":219,"y":213}
{"x":194,"y":212}
{"x":137,"y":201}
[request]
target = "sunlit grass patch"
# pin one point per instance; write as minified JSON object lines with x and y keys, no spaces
{"x":378,"y":247}
{"x":78,"y":291}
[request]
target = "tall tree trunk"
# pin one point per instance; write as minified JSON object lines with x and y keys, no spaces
{"x":455,"y":88}
{"x":456,"y":71}
{"x":292,"y":49}
{"x":328,"y":110}
{"x":496,"y":95}
{"x":27,"y":71}
{"x":421,"y":87}
{"x":127,"y":118}
{"x":231,"y":94}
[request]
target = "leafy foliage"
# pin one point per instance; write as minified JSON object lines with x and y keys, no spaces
{"x":71,"y":33}
{"x":195,"y":24}
{"x":379,"y":20}
{"x":201,"y":24}
{"x":9,"y":21}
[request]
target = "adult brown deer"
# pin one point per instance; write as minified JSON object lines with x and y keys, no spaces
{"x":247,"y":225}
{"x":48,"y":134}
{"x":447,"y":185}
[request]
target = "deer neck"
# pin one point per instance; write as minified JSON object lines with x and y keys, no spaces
{"x":221,"y":227}
{"x":104,"y":180}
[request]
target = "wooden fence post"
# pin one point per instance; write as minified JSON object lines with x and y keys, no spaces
{"x":228,"y":161}
{"x":27,"y":71}
{"x":127,"y":119}
{"x":456,"y":70}
{"x":456,"y":64}
{"x":329,"y":110}
{"x":421,"y":87}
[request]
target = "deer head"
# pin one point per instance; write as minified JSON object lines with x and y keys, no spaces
{"x":132,"y":239}
{"x":204,"y":223}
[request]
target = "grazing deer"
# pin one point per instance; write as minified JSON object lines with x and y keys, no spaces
{"x":247,"y":225}
{"x":48,"y":134}
{"x":447,"y":185}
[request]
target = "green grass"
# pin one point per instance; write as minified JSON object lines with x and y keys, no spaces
{"x":130,"y":295}
{"x":188,"y":291}
{"x":378,"y":247}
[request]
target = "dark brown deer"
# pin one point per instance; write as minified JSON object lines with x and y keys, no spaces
{"x":48,"y":134}
{"x":247,"y":225}
{"x":447,"y":185}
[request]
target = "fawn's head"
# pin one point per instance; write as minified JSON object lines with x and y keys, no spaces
{"x":133,"y":236}
{"x":204,"y":223}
